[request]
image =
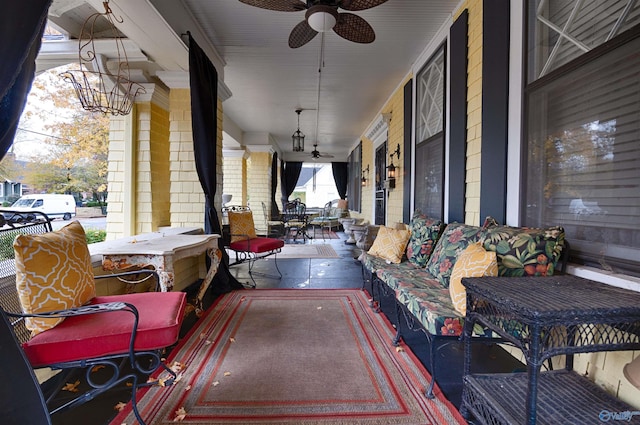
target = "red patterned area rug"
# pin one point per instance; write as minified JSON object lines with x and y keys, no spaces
{"x":313,"y":357}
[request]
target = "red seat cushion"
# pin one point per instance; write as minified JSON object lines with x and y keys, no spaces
{"x":257,"y":245}
{"x":102,"y":334}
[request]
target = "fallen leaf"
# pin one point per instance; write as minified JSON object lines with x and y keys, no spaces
{"x":97,"y":368}
{"x":187,"y":388}
{"x":319,"y":308}
{"x":227,"y":374}
{"x":162,"y":381}
{"x":399,"y":349}
{"x":232,"y":339}
{"x":216,"y":383}
{"x":176,"y":366}
{"x":180,"y":415}
{"x":120,"y":406}
{"x":208,"y":342}
{"x":203,"y":335}
{"x":152,"y":380}
{"x":73,"y":388}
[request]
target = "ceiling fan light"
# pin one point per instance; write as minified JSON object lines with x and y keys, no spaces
{"x":322,"y":18}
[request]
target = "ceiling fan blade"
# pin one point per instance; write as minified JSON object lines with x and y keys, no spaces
{"x":326,"y":155}
{"x":355,"y":5}
{"x":301,"y":34}
{"x":278,"y":5}
{"x":354,"y":28}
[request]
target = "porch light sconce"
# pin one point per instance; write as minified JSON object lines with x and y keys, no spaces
{"x":391,"y":176}
{"x":364,"y":179}
{"x":298,"y":137}
{"x":391,"y":169}
{"x":632,"y":372}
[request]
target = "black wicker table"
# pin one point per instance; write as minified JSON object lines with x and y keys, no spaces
{"x":547,"y":317}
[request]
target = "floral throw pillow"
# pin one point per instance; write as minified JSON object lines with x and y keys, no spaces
{"x":424,"y":235}
{"x":525,"y":251}
{"x":455,"y":239}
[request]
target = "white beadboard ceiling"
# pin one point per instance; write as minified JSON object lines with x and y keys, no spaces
{"x":268,"y":80}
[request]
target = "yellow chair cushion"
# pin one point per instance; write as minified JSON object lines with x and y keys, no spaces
{"x":390,"y":244}
{"x":53,"y":272}
{"x":241,"y":226}
{"x":474,"y":261}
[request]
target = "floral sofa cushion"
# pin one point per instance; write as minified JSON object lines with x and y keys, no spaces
{"x":455,"y":239}
{"x":404,"y":275}
{"x":525,"y":251}
{"x":425,"y":232}
{"x":432,"y":307}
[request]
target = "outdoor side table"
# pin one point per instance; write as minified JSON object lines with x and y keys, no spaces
{"x":546,"y":317}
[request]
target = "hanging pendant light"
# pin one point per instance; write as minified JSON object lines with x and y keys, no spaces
{"x":298,"y":136}
{"x":99,"y":88}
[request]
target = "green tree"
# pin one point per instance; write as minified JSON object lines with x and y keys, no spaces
{"x":75,"y":158}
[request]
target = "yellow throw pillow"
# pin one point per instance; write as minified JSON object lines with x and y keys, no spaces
{"x":474,"y":261}
{"x":53,"y":272}
{"x":390,"y":244}
{"x":241,"y":226}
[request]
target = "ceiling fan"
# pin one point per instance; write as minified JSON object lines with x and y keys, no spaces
{"x":316,"y":154}
{"x":323,"y":15}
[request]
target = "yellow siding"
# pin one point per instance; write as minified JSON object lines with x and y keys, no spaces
{"x":474,"y":110}
{"x":234,"y":172}
{"x":259,"y":185}
{"x":368,"y":191}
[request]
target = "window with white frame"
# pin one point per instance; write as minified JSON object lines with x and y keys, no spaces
{"x":429,"y":159}
{"x":583,"y":128}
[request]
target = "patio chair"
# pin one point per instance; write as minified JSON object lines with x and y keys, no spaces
{"x":296,"y":220}
{"x":275,"y":228}
{"x":328,"y":218}
{"x":63,"y":325}
{"x":244,"y":241}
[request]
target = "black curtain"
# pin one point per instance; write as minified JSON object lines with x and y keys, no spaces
{"x":341,"y":177}
{"x":21,"y":27}
{"x":289,"y":179}
{"x":275,"y":213}
{"x":203,"y":80}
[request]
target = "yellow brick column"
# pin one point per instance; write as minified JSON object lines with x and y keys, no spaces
{"x":117,"y":166}
{"x":259,"y":182}
{"x":138,"y":166}
{"x":185,"y":192}
{"x":152,"y":159}
{"x":474,"y":110}
{"x":234,"y":172}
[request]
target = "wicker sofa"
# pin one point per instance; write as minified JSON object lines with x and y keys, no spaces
{"x":419,"y":284}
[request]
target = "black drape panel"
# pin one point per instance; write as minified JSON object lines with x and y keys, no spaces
{"x":21,"y":27}
{"x":275,"y":214}
{"x":203,"y":80}
{"x":290,"y":179}
{"x":341,"y":177}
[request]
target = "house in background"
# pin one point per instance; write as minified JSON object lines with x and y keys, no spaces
{"x":9,"y":191}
